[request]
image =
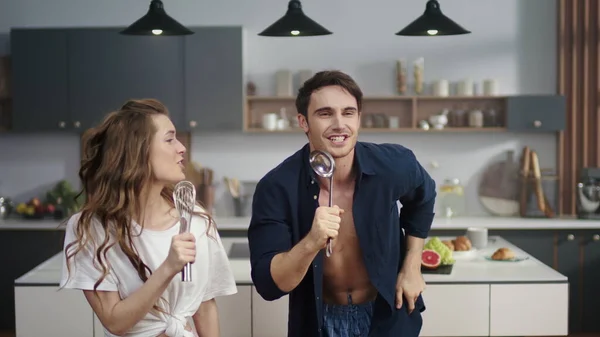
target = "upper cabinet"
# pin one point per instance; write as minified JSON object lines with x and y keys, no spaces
{"x":39,"y":80}
{"x":107,"y":68}
{"x":214,"y":79}
{"x":69,"y":79}
{"x":536,"y":113}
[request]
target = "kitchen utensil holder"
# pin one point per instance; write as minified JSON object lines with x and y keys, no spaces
{"x":550,"y":182}
{"x":240,"y":205}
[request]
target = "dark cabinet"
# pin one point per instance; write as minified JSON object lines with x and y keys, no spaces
{"x":567,"y":259}
{"x":536,"y":113}
{"x":107,"y":68}
{"x":69,"y":79}
{"x":590,"y":279}
{"x":214,"y":86}
{"x":39,"y":79}
{"x":21,"y":251}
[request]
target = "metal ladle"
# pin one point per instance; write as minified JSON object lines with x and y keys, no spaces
{"x":324,"y":166}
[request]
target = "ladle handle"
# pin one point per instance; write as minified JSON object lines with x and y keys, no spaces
{"x":329,"y":249}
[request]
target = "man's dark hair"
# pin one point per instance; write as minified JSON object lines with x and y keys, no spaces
{"x":324,"y":79}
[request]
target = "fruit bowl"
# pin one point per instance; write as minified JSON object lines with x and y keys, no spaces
{"x":34,"y":209}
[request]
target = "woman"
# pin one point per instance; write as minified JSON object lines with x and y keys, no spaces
{"x":124,"y":250}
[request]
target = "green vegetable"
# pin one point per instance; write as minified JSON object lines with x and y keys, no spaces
{"x":439,"y":247}
{"x":63,"y":195}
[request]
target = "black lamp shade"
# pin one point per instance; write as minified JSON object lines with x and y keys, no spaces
{"x":156,"y":22}
{"x":294,"y":23}
{"x":433,"y":23}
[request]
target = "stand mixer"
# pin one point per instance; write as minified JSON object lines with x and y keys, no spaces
{"x":588,"y":194}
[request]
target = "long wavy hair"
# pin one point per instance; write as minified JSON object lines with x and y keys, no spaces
{"x":115,"y":170}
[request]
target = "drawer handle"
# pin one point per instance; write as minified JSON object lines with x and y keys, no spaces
{"x":537,"y":124}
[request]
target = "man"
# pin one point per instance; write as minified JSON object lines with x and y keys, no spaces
{"x":371,"y":284}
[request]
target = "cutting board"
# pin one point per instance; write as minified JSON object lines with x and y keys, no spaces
{"x":498,"y":189}
{"x":444,"y":269}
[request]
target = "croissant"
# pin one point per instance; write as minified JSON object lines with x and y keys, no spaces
{"x":503,"y":254}
{"x":449,"y":244}
{"x":461,"y":243}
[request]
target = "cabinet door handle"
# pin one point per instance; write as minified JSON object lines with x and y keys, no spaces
{"x":596,"y":237}
{"x":570,"y":237}
{"x":77,"y":124}
{"x":62,"y":125}
{"x":193,"y":124}
{"x":537,"y":124}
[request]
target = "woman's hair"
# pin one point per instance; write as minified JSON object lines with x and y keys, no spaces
{"x":115,"y":169}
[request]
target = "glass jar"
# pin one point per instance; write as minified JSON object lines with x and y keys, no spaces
{"x":451,"y":198}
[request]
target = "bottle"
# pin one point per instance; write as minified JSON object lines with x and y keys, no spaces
{"x":451,"y":198}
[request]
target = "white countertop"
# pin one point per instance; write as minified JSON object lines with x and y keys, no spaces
{"x":225,"y":223}
{"x":512,"y":223}
{"x":475,"y":270}
{"x":17,"y":224}
{"x":439,"y":223}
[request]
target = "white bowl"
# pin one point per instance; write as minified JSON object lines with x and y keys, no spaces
{"x":462,"y":255}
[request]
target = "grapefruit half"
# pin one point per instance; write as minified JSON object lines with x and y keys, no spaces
{"x":430,"y":259}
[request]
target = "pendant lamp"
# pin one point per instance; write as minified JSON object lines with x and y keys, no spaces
{"x":432,"y":23}
{"x":294,"y":23}
{"x":156,"y":22}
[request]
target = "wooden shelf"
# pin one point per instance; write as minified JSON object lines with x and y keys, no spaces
{"x":378,"y":111}
{"x":384,"y":98}
{"x":388,"y":130}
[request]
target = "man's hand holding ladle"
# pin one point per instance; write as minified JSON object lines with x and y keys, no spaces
{"x":326,"y":225}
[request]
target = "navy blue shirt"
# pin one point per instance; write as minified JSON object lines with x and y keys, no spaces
{"x":283,"y":208}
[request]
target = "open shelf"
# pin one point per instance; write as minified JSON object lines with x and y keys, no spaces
{"x":388,"y":130}
{"x":388,"y":113}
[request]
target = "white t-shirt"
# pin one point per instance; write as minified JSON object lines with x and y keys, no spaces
{"x":211,"y":274}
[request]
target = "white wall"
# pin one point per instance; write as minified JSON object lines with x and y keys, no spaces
{"x":513,"y":41}
{"x":465,"y":157}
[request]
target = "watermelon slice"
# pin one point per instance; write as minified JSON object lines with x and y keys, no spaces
{"x":430,"y":259}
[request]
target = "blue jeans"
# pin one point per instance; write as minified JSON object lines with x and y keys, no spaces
{"x":351,"y":320}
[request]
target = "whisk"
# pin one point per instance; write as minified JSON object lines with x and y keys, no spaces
{"x":184,"y":197}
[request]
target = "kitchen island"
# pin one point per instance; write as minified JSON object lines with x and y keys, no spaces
{"x":439,"y":223}
{"x":479,"y":298}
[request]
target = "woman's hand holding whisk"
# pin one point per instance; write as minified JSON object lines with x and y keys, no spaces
{"x":182,"y":251}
